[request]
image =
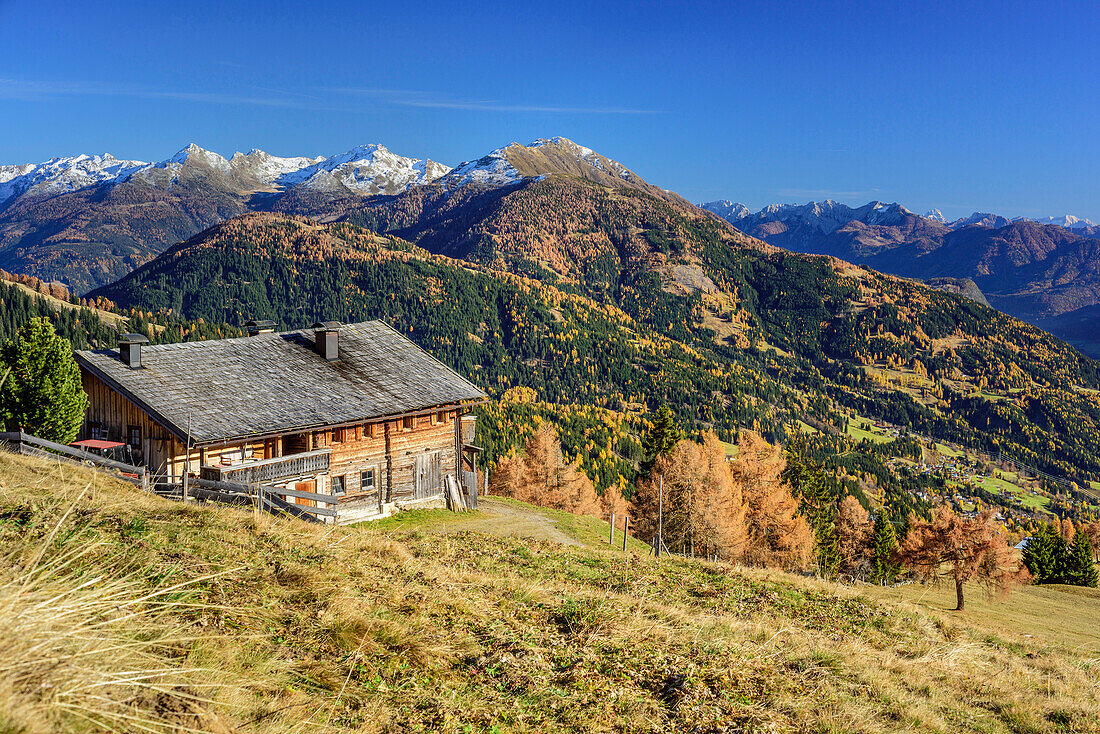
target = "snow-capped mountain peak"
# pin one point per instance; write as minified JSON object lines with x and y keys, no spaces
{"x":731,"y":211}
{"x":1066,"y":220}
{"x":491,"y":170}
{"x":196,"y":155}
{"x":936,"y":216}
{"x":542,"y":157}
{"x":60,"y":175}
{"x":366,"y":169}
{"x":981,"y":219}
{"x":824,"y":217}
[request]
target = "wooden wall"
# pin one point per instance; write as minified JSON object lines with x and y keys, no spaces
{"x":390,"y":447}
{"x":117,"y":414}
{"x":395,"y":466}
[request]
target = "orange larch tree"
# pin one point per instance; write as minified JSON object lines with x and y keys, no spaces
{"x":854,"y":529}
{"x":542,"y":476}
{"x":701,"y":508}
{"x":962,"y":549}
{"x":776,"y":534}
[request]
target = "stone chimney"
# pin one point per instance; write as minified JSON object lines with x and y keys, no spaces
{"x":327,"y":339}
{"x":259,"y":327}
{"x":129,"y":347}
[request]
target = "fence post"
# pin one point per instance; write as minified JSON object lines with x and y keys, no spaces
{"x":626,"y":528}
{"x":660,"y":516}
{"x":612,"y":540}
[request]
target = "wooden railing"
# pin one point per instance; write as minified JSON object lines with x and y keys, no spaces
{"x":269,"y":470}
{"x":24,"y":443}
{"x":268,"y":499}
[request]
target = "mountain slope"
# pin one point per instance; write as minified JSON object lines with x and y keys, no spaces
{"x":553,"y":210}
{"x":88,"y":220}
{"x":1029,"y":269}
{"x":759,"y":338}
{"x":246,"y":623}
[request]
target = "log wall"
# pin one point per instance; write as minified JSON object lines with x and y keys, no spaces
{"x":116,"y":414}
{"x":390,"y":448}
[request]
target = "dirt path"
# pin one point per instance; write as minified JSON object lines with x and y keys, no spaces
{"x":505,"y":520}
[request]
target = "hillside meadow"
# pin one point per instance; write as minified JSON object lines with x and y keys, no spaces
{"x":122,"y":611}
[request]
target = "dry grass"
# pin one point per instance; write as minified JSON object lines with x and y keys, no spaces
{"x":399,"y":629}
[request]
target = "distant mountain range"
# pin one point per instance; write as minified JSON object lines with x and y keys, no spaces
{"x":88,"y":220}
{"x":828,"y":215}
{"x":1036,"y":270}
{"x":552,"y":267}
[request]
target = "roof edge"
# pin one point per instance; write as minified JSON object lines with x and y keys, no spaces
{"x":168,"y":425}
{"x":182,"y":434}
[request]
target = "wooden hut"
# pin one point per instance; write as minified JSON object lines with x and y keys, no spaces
{"x":354,"y":411}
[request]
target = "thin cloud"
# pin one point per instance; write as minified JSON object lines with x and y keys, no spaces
{"x":430,"y":100}
{"x":33,"y":90}
{"x":36,"y":90}
{"x":490,"y":106}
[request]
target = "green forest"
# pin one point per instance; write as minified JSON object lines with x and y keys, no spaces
{"x":598,"y":362}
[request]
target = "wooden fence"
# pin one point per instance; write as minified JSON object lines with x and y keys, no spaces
{"x":267,"y":498}
{"x":24,"y":443}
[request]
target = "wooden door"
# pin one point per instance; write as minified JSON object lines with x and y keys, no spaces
{"x":310,"y":486}
{"x":429,"y":474}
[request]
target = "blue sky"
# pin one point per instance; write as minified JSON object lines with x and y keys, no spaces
{"x":960,"y":106}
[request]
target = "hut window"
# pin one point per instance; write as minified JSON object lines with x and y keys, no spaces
{"x":133,"y":436}
{"x":338,"y":485}
{"x":441,"y":416}
{"x":407,"y":423}
{"x":97,"y":431}
{"x":368,"y":430}
{"x":367,"y":480}
{"x":339,"y":435}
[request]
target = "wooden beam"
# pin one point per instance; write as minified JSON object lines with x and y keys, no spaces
{"x":20,"y":437}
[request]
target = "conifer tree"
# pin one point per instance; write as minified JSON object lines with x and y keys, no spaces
{"x":1079,"y":565}
{"x":43,"y":394}
{"x":884,"y":545}
{"x":817,"y":504}
{"x":1039,"y":555}
{"x":660,"y":440}
{"x":1059,"y":551}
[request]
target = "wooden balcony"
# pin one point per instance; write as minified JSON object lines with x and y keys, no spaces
{"x":264,"y":471}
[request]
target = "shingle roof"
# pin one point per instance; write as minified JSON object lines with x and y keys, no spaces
{"x":278,"y":383}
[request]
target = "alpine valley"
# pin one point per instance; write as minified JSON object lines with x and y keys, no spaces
{"x":574,"y":291}
{"x":1045,"y":271}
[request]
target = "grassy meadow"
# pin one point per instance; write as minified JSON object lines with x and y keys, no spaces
{"x":120,"y":611}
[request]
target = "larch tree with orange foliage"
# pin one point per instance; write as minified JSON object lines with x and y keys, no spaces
{"x":1092,"y":530}
{"x":701,"y":507}
{"x":776,"y":535}
{"x":541,"y":476}
{"x":962,"y":549}
{"x":854,"y":531}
